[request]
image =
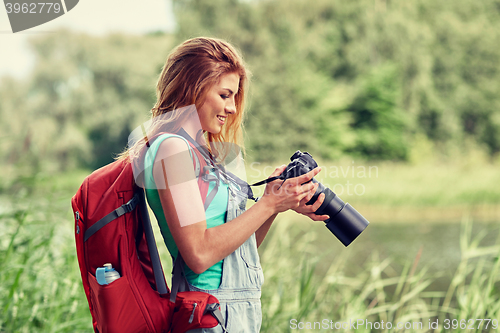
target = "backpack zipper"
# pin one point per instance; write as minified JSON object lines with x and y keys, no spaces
{"x":192,"y":313}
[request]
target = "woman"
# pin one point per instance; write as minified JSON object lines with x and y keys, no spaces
{"x":200,"y":98}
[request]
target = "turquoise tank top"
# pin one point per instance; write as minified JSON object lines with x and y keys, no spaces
{"x":215,"y":215}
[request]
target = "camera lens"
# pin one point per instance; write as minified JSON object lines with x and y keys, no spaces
{"x":347,"y":224}
{"x":344,"y":222}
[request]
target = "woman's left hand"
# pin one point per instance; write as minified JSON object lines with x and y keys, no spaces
{"x":308,"y":210}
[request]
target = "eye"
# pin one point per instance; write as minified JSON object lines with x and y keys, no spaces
{"x":224,"y":96}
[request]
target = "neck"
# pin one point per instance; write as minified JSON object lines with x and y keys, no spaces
{"x":192,"y":130}
{"x":192,"y":126}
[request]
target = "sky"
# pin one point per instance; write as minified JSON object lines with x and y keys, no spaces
{"x":96,"y":17}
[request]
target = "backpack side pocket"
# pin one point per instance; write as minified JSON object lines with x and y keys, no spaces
{"x":115,"y":306}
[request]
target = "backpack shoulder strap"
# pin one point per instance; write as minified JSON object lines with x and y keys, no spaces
{"x":200,"y":164}
{"x":198,"y":160}
{"x":161,"y":284}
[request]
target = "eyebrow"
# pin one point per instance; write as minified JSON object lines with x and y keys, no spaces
{"x":230,"y":91}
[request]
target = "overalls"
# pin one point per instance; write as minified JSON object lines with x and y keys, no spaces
{"x":242,"y":278}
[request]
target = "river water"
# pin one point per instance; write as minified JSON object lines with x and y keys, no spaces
{"x":439,"y":244}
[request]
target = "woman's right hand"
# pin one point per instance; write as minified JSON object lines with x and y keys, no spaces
{"x":282,"y":196}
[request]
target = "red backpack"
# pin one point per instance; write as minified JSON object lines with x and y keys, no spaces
{"x":112,"y":226}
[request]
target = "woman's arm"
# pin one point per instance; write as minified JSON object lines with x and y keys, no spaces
{"x":261,"y":233}
{"x":183,"y":208}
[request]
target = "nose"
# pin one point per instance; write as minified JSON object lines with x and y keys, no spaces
{"x":230,"y":106}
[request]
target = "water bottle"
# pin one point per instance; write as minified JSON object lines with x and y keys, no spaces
{"x":106,"y":274}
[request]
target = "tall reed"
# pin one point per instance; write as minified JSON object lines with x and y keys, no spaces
{"x":297,"y":296}
{"x":41,"y":291}
{"x":40,"y":288}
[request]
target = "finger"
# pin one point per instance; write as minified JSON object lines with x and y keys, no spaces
{"x":311,"y":193}
{"x":315,"y":217}
{"x":301,"y":192}
{"x":308,"y":176}
{"x":278,"y":171}
{"x":309,"y":187}
{"x":305,"y":193}
{"x":307,"y":209}
{"x":318,"y":202}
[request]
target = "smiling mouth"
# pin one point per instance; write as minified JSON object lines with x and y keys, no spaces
{"x":221,"y":119}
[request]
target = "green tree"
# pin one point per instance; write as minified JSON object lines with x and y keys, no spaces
{"x":331,"y":77}
{"x":84,"y":97}
{"x":378,"y":120}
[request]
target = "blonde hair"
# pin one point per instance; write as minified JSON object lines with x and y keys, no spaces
{"x":190,"y":70}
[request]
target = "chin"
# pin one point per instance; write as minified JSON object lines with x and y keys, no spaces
{"x":214,"y":130}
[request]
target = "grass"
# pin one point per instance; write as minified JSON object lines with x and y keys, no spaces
{"x":295,"y":293}
{"x":40,"y":286}
{"x":305,"y":280}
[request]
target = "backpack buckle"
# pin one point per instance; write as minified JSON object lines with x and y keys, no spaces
{"x":129,"y":206}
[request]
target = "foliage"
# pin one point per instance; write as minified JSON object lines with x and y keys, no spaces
{"x":82,"y":100}
{"x":319,"y":68}
{"x":305,"y":278}
{"x":363,"y":78}
{"x":40,"y":289}
{"x":371,"y":79}
{"x":296,"y":292}
{"x":379,"y":125}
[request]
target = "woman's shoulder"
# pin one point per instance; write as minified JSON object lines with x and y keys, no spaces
{"x":172,"y":145}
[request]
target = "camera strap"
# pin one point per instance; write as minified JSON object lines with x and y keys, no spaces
{"x":283,"y":177}
{"x":219,"y":169}
{"x":268,"y":180}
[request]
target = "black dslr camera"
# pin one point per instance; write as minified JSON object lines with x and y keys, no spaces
{"x":344,"y":222}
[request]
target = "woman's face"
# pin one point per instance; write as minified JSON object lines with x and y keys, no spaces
{"x":220,"y":103}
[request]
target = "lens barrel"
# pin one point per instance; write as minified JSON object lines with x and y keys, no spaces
{"x":347,"y":224}
{"x":344,"y":222}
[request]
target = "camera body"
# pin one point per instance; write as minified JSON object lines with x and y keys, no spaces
{"x":344,"y":222}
